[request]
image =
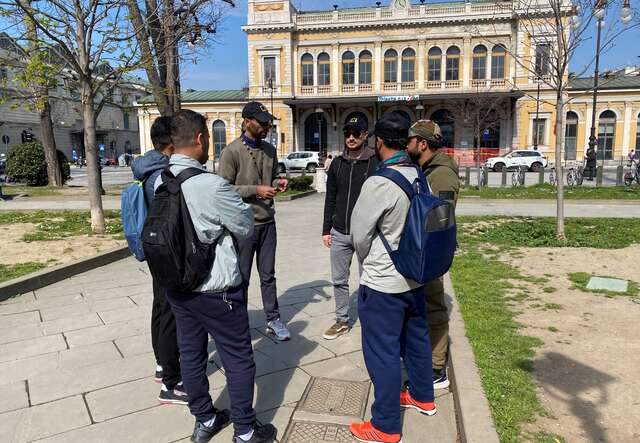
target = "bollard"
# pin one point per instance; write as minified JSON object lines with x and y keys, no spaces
{"x":467,"y":176}
{"x":599,"y":176}
{"x":504,"y":178}
{"x":486,"y":177}
{"x":619,"y":175}
{"x":321,"y":182}
{"x":541,"y":177}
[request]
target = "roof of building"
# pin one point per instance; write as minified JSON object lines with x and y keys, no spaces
{"x":224,"y":95}
{"x":606,"y":82}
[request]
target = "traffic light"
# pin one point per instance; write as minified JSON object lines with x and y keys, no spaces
{"x":27,"y":136}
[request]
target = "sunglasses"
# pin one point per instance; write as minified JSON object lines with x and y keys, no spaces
{"x":356,"y":134}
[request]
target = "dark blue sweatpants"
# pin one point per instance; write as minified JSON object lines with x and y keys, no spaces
{"x":395,"y":326}
{"x":197,"y":316}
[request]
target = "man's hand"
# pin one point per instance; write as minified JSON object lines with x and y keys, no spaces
{"x":283,"y":184}
{"x":266,"y":192}
{"x":326,"y":239}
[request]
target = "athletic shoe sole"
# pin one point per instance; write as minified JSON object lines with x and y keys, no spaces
{"x":158,"y":380}
{"x":372,"y":441}
{"x":429,"y":412}
{"x":442,"y":384}
{"x":166,"y":401}
{"x":272,"y":332}
{"x":333,"y":337}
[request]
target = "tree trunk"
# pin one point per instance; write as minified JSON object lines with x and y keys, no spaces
{"x":54,"y":170}
{"x":477,"y":134}
{"x":559,"y":172}
{"x":93,"y":165}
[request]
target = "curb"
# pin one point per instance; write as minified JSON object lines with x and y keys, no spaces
{"x":47,"y":276}
{"x":287,"y":198}
{"x":475,"y":422}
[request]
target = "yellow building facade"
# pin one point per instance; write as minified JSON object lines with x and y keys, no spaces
{"x":316,"y":69}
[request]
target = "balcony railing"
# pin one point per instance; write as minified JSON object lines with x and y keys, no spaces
{"x":498,"y":83}
{"x":365,"y":88}
{"x":348,"y":89}
{"x":407,"y":86}
{"x":324,"y":89}
{"x":390,"y":86}
{"x":434,"y":84}
{"x":452,"y":84}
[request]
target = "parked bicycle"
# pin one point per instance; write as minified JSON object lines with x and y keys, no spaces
{"x":518,"y":176}
{"x":575,"y":176}
{"x":633,"y":174}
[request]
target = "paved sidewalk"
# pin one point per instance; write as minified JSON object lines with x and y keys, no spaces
{"x":76,"y":362}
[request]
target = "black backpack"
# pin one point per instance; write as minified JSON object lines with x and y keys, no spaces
{"x":177,"y":259}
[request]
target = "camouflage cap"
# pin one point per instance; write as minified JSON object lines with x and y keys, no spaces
{"x":426,"y":129}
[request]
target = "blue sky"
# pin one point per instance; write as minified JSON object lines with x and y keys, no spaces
{"x":224,"y":65}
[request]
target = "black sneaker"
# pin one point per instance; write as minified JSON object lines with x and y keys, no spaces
{"x":440,"y":380}
{"x":261,"y":434}
{"x":202,"y":433}
{"x":175,"y":396}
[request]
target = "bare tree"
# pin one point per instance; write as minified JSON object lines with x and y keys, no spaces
{"x":555,"y":29}
{"x":482,"y":112}
{"x":92,"y":39}
{"x":165,"y":31}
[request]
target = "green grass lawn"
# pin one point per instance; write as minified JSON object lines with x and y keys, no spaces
{"x":547,"y":191}
{"x":31,"y":191}
{"x":8,"y":272}
{"x":481,"y":281}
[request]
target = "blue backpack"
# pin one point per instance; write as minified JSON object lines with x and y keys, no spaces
{"x":133,"y":207}
{"x":428,"y":240}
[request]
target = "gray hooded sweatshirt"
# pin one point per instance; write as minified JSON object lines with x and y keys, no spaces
{"x":217,"y":211}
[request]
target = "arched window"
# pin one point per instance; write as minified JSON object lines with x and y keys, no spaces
{"x":408,"y":65}
{"x":571,"y":136}
{"x":434,"y":58}
{"x":479,"y":63}
{"x":365,"y":68}
{"x":219,"y":137}
{"x":606,"y":134}
{"x":315,"y":133}
{"x":307,"y":70}
{"x":638,"y":137}
{"x":444,"y":119}
{"x":348,"y":68}
{"x":498,"y":54}
{"x":390,"y":66}
{"x":453,"y":63}
{"x":324,"y":69}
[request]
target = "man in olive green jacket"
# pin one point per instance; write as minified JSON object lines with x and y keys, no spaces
{"x":441,"y":171}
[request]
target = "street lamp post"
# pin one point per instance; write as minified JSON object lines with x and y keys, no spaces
{"x":536,"y":135}
{"x":270,"y":86}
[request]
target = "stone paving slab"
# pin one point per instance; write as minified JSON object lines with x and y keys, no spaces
{"x":14,"y":396}
{"x":103,"y":333}
{"x":31,"y":347}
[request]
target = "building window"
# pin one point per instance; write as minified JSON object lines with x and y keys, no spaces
{"x":365,"y":68}
{"x":307,"y":70}
{"x":606,"y":135}
{"x":479,"y":63}
{"x":543,"y":59}
{"x":435,"y":64}
{"x":538,"y":131}
{"x":408,"y":65}
{"x":348,"y":68}
{"x":219,"y":137}
{"x":125,"y":120}
{"x":324,"y":69}
{"x":453,"y":63}
{"x":498,"y":54}
{"x":445,"y":120}
{"x":390,"y":66}
{"x":571,"y":136}
{"x":269,"y":64}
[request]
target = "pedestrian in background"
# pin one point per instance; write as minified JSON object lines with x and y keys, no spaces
{"x":251,"y":165}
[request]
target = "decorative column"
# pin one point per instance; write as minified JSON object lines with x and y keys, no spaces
{"x":421,"y":53}
{"x":378,"y":65}
{"x":335,"y":75}
{"x":626,"y":133}
{"x":466,"y":63}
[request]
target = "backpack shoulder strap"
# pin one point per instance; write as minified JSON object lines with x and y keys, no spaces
{"x":187,"y":174}
{"x":398,"y":179}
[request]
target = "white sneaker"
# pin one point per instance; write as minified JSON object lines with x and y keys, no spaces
{"x":278,"y":329}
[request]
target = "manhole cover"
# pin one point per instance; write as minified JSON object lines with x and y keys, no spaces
{"x":608,"y":284}
{"x":335,"y":397}
{"x":306,"y":432}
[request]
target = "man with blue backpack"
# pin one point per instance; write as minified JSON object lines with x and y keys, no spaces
{"x":136,"y":199}
{"x":403,"y":237}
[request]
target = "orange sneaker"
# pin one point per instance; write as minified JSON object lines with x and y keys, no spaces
{"x":366,"y":433}
{"x":406,"y":401}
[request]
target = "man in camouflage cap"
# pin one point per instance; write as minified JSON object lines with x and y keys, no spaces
{"x":425,"y":141}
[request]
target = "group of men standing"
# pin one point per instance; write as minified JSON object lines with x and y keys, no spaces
{"x":234,"y":210}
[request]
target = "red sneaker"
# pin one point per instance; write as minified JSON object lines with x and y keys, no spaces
{"x":366,"y":433}
{"x":406,"y":401}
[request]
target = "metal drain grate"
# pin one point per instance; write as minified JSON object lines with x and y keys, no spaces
{"x":306,"y":432}
{"x":335,"y":397}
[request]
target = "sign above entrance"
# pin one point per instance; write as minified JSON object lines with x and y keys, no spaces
{"x":398,"y":98}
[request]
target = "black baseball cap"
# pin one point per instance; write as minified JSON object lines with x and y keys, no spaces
{"x":258,"y":111}
{"x":356,"y":122}
{"x":392,"y":126}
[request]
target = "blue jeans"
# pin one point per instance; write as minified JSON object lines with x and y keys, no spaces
{"x":197,"y":316}
{"x":395,"y":326}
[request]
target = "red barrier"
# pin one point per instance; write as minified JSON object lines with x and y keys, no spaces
{"x":468,"y":157}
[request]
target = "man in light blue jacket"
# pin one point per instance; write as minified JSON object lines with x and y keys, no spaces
{"x":218,"y":307}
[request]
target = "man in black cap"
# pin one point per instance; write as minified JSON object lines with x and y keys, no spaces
{"x":251,"y":165}
{"x":391,"y":307}
{"x":345,"y":177}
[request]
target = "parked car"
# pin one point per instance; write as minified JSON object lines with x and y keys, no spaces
{"x":533,"y":160}
{"x":307,"y":160}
